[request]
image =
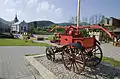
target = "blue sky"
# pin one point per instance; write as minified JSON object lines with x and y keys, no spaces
{"x":56,"y":10}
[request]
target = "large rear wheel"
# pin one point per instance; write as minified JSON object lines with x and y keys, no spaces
{"x":73,"y":59}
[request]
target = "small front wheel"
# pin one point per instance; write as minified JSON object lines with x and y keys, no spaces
{"x":50,"y":53}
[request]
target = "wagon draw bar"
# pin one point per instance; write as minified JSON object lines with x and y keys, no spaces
{"x":82,"y":27}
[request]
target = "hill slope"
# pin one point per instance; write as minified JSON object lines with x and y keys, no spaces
{"x":40,"y":23}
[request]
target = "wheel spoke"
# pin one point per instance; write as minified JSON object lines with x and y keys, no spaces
{"x":67,"y":62}
{"x":78,"y":61}
{"x":97,"y":53}
{"x":77,"y":67}
{"x":70,"y":66}
{"x":73,"y":67}
{"x":67,"y":55}
{"x":95,"y":50}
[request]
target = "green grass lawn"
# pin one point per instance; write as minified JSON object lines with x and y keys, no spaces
{"x":111,"y":61}
{"x":18,"y":42}
{"x":50,"y":37}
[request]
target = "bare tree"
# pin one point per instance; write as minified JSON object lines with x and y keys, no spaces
{"x":96,"y":19}
{"x":92,"y":19}
{"x":73,"y":20}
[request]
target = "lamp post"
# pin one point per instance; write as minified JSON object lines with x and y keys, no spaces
{"x":78,"y":13}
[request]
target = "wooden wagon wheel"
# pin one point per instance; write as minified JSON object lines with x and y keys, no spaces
{"x":50,"y":53}
{"x":73,"y":59}
{"x":95,"y":56}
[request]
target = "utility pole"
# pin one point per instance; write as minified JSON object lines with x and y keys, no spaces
{"x":78,"y":13}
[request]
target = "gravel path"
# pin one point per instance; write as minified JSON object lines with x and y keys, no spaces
{"x":102,"y":71}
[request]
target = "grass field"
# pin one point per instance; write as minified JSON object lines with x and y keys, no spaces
{"x":18,"y":42}
{"x":111,"y":61}
{"x":50,"y":37}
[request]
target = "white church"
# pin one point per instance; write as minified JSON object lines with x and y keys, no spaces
{"x":19,"y":27}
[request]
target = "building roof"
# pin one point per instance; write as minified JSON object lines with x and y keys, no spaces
{"x":16,"y":23}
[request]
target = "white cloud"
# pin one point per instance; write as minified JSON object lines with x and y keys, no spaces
{"x":49,"y":11}
{"x":52,"y":7}
{"x":31,"y":3}
{"x":13,"y":11}
{"x":18,"y":1}
{"x":30,"y":10}
{"x":58,"y":10}
{"x":6,"y":1}
{"x":44,"y":5}
{"x":10,"y":3}
{"x":10,"y":10}
{"x":38,"y":7}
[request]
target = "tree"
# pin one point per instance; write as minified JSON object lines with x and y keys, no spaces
{"x":91,"y":20}
{"x":102,"y":19}
{"x":35,"y":24}
{"x":72,"y":20}
{"x":31,"y":29}
{"x":52,"y":26}
{"x":96,"y":19}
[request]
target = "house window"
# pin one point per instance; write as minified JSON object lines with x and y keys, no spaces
{"x":21,"y":28}
{"x":108,"y":21}
{"x":24,"y":28}
{"x":16,"y":27}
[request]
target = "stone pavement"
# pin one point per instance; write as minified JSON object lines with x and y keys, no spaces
{"x":111,"y":51}
{"x":12,"y":62}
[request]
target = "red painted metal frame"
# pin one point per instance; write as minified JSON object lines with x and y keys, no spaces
{"x":72,"y":35}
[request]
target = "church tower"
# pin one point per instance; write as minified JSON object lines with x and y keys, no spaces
{"x":16,"y":19}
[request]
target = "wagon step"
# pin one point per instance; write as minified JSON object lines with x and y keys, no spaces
{"x":92,"y":61}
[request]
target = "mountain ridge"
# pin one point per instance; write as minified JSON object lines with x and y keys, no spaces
{"x":41,"y":23}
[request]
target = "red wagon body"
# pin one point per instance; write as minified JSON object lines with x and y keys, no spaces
{"x":86,"y":42}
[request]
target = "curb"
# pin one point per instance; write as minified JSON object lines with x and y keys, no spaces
{"x":44,"y":72}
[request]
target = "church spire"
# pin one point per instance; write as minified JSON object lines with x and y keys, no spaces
{"x":16,"y":19}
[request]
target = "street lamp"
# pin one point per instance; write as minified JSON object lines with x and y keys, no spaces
{"x":78,"y":13}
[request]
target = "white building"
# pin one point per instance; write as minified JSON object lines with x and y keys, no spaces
{"x":15,"y":27}
{"x":19,"y":27}
{"x":23,"y":27}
